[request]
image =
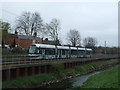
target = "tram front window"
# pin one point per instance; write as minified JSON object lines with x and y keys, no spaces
{"x":32,"y":49}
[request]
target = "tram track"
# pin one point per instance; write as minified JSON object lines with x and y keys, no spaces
{"x":30,"y":60}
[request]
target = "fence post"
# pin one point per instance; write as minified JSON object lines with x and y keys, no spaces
{"x":5,"y":61}
{"x":12,"y":59}
{"x":30,"y":60}
{"x":35,"y":60}
{"x":24,"y":59}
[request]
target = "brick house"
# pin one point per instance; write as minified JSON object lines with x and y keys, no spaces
{"x":23,"y":41}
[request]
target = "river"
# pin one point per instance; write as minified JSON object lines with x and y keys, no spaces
{"x":69,"y":83}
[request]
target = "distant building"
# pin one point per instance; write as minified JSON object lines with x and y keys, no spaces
{"x":23,"y":41}
{"x":46,"y":41}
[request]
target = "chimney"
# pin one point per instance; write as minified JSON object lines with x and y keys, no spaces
{"x":46,"y":39}
{"x":41,"y":40}
{"x":16,"y":33}
{"x":35,"y":34}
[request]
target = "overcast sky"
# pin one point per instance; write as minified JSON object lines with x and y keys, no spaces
{"x":94,"y":19}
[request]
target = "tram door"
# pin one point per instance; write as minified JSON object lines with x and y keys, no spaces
{"x":66,"y":53}
{"x":43,"y":53}
{"x":59,"y":53}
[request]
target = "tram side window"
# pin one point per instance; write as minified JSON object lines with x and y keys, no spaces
{"x":58,"y":52}
{"x":52,"y":51}
{"x":79,"y":52}
{"x":63,"y":52}
{"x":74,"y":52}
{"x":49,"y":51}
{"x":37,"y":51}
{"x":82,"y":52}
{"x":90,"y":52}
{"x":67,"y":52}
{"x":40,"y":51}
{"x":87,"y":52}
{"x":33,"y":49}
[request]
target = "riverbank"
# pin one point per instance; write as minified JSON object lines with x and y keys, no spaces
{"x":60,"y":74}
{"x":105,"y":79}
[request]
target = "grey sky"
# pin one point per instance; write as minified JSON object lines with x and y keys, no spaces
{"x":95,"y":19}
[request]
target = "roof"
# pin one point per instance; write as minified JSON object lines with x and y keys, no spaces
{"x":25,"y":37}
{"x":28,"y":37}
{"x":50,"y":42}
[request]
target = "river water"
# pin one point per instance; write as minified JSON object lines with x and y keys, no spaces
{"x":78,"y":81}
{"x":69,"y":83}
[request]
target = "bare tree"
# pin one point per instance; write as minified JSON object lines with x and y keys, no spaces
{"x":29,"y":23}
{"x":89,"y":42}
{"x":53,"y":28}
{"x":73,"y":37}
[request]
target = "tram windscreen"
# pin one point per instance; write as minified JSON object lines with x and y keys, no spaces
{"x":32,"y":49}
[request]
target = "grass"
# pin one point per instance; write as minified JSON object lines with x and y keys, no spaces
{"x":105,"y":79}
{"x":82,"y":68}
{"x":28,"y":80}
{"x":39,"y":78}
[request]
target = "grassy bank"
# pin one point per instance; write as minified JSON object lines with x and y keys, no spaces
{"x":106,"y":79}
{"x":27,"y":81}
{"x":81,"y":69}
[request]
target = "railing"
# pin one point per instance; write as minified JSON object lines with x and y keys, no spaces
{"x":25,"y":59}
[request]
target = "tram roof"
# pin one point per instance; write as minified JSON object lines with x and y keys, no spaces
{"x":81,"y":48}
{"x":60,"y":47}
{"x":45,"y":46}
{"x":88,"y":49}
{"x":73,"y":48}
{"x":51,"y":46}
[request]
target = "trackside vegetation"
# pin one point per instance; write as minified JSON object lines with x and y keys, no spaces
{"x":60,"y":73}
{"x":105,"y":79}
